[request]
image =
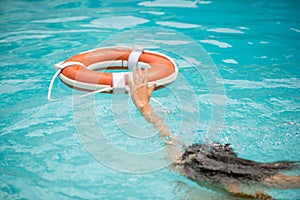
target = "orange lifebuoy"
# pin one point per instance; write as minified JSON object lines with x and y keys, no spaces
{"x":80,"y":71}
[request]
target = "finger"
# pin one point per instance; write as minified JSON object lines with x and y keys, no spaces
{"x":151,"y":89}
{"x":128,"y":80}
{"x":135,"y":76}
{"x":145,"y":76}
{"x":140,"y":75}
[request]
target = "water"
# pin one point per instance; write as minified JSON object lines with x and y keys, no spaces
{"x":254,"y":44}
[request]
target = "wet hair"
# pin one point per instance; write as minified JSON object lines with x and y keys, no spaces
{"x":219,"y":163}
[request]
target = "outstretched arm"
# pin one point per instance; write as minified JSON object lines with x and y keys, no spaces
{"x":140,"y":95}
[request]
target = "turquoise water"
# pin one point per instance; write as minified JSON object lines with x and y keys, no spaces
{"x":254,"y":44}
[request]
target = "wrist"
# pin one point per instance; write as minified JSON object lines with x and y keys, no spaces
{"x":145,"y":109}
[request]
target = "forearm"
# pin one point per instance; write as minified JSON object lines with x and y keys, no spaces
{"x":158,"y":122}
{"x":172,"y":149}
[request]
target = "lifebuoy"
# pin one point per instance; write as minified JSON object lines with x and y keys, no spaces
{"x":82,"y":70}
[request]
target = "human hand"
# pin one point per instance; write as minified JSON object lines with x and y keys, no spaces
{"x":139,"y":91}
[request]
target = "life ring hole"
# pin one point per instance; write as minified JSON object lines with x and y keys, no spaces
{"x":114,"y":66}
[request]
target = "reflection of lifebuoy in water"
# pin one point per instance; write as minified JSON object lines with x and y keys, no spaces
{"x":79,"y":71}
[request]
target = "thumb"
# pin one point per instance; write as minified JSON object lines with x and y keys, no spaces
{"x":151,"y":88}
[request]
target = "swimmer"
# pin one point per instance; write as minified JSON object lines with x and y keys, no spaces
{"x":214,"y":166}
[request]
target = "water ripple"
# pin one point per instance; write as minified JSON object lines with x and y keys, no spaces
{"x":178,"y":24}
{"x":116,"y":22}
{"x":167,"y":3}
{"x":61,"y":19}
{"x":292,"y":83}
{"x":217,"y":43}
{"x":225,"y":30}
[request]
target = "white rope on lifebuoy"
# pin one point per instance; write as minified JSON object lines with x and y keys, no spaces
{"x":60,"y":67}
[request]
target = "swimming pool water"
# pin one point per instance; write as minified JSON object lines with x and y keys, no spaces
{"x":254,"y":44}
